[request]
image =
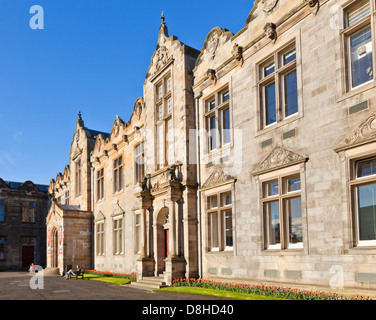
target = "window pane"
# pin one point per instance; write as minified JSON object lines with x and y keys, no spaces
{"x":274,"y":223}
{"x":366,"y":168}
{"x":293,"y":184}
{"x":291,"y":94}
{"x":272,"y":189}
{"x":211,"y":105}
{"x":294,"y":211}
{"x":268,"y":70}
{"x":226,"y":126}
{"x":361,"y":57}
{"x":358,"y":13}
{"x":270,"y":104}
{"x":226,"y":199}
{"x":212,"y":143}
{"x":225,"y":96}
{"x":2,"y":211}
{"x":212,"y":202}
{"x":367,"y":212}
{"x":214,"y":230}
{"x":228,"y":228}
{"x":289,"y":57}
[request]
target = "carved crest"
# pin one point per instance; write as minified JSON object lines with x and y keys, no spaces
{"x":216,"y":178}
{"x":279,"y":158}
{"x":269,"y":5}
{"x":365,"y":133}
{"x":161,"y":57}
{"x":212,"y":46}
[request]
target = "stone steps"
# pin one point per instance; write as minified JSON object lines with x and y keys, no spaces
{"x":150,"y":283}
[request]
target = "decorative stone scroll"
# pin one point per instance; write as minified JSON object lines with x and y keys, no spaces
{"x":279,"y":158}
{"x":314,"y":5}
{"x":216,"y":178}
{"x":363,"y":134}
{"x":118,"y":210}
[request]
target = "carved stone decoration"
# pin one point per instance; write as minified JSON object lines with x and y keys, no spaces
{"x":76,"y":153}
{"x":237,"y":53}
{"x":118,"y":210}
{"x":314,"y":5}
{"x":28,"y":186}
{"x":269,"y":5}
{"x":212,"y":75}
{"x":212,"y":46}
{"x":161,"y":58}
{"x":3,"y":184}
{"x":363,"y":134}
{"x":216,"y":178}
{"x":271,"y":31}
{"x":99,"y":216}
{"x":279,"y":158}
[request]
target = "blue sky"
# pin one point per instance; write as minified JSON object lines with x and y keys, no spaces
{"x":91,"y":56}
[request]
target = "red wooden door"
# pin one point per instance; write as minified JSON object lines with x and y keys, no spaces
{"x":27,"y":255}
{"x":167,"y":246}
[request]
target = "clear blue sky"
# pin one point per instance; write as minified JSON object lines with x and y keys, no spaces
{"x":91,"y":56}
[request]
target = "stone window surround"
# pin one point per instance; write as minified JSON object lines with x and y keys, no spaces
{"x":351,"y":157}
{"x":103,"y":237}
{"x":217,"y":112}
{"x":284,"y":172}
{"x":116,"y":232}
{"x":344,"y":33}
{"x":295,"y":37}
{"x":217,"y":190}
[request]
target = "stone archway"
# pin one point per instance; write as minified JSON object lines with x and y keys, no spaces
{"x":162,"y":239}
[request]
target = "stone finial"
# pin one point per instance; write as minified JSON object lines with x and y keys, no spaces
{"x":79,"y":119}
{"x":163,"y":27}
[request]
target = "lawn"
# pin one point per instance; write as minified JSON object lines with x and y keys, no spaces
{"x":219,"y":293}
{"x":113,"y":280}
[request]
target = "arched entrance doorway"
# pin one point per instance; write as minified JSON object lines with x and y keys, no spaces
{"x":163,"y":238}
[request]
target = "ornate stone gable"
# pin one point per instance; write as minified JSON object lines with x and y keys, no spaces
{"x":363,"y":134}
{"x":269,"y":5}
{"x":118,"y":210}
{"x":3,"y":184}
{"x":279,"y":158}
{"x":99,"y":216}
{"x":216,"y":178}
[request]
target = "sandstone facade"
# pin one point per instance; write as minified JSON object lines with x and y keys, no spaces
{"x":258,"y":154}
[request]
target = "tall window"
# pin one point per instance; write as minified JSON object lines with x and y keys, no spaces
{"x":100,"y":184}
{"x":28,"y":212}
{"x":2,"y":248}
{"x":278,"y":87}
{"x":363,"y":185}
{"x":139,"y":159}
{"x":138,"y":233}
{"x":359,"y":46}
{"x":282,"y":213}
{"x":118,"y":174}
{"x":217,"y":115}
{"x":164,"y":110}
{"x":78,"y":177}
{"x":2,"y":210}
{"x":100,"y":238}
{"x":219,"y":214}
{"x":118,"y":236}
{"x":67,"y":197}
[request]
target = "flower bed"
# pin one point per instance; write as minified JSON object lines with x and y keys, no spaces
{"x":130,"y":276}
{"x":260,"y":289}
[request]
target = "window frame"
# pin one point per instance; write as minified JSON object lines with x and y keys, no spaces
{"x":354,"y":183}
{"x":165,"y":103}
{"x":24,"y":215}
{"x":118,"y":235}
{"x":3,"y":207}
{"x":78,"y":177}
{"x":346,"y":32}
{"x":139,"y":168}
{"x":100,"y":238}
{"x":277,"y":78}
{"x":118,"y":175}
{"x":218,"y":213}
{"x":282,"y":197}
{"x":215,"y":136}
{"x":99,"y":178}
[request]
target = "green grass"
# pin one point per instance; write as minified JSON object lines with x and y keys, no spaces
{"x":218,"y":293}
{"x":113,"y":280}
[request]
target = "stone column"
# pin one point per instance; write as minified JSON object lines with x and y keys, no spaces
{"x":143,"y":234}
{"x":172,"y":228}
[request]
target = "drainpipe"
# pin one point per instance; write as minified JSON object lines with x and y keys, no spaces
{"x":197,"y":96}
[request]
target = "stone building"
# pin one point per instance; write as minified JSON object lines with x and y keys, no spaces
{"x":252,"y":159}
{"x":23,"y":211}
